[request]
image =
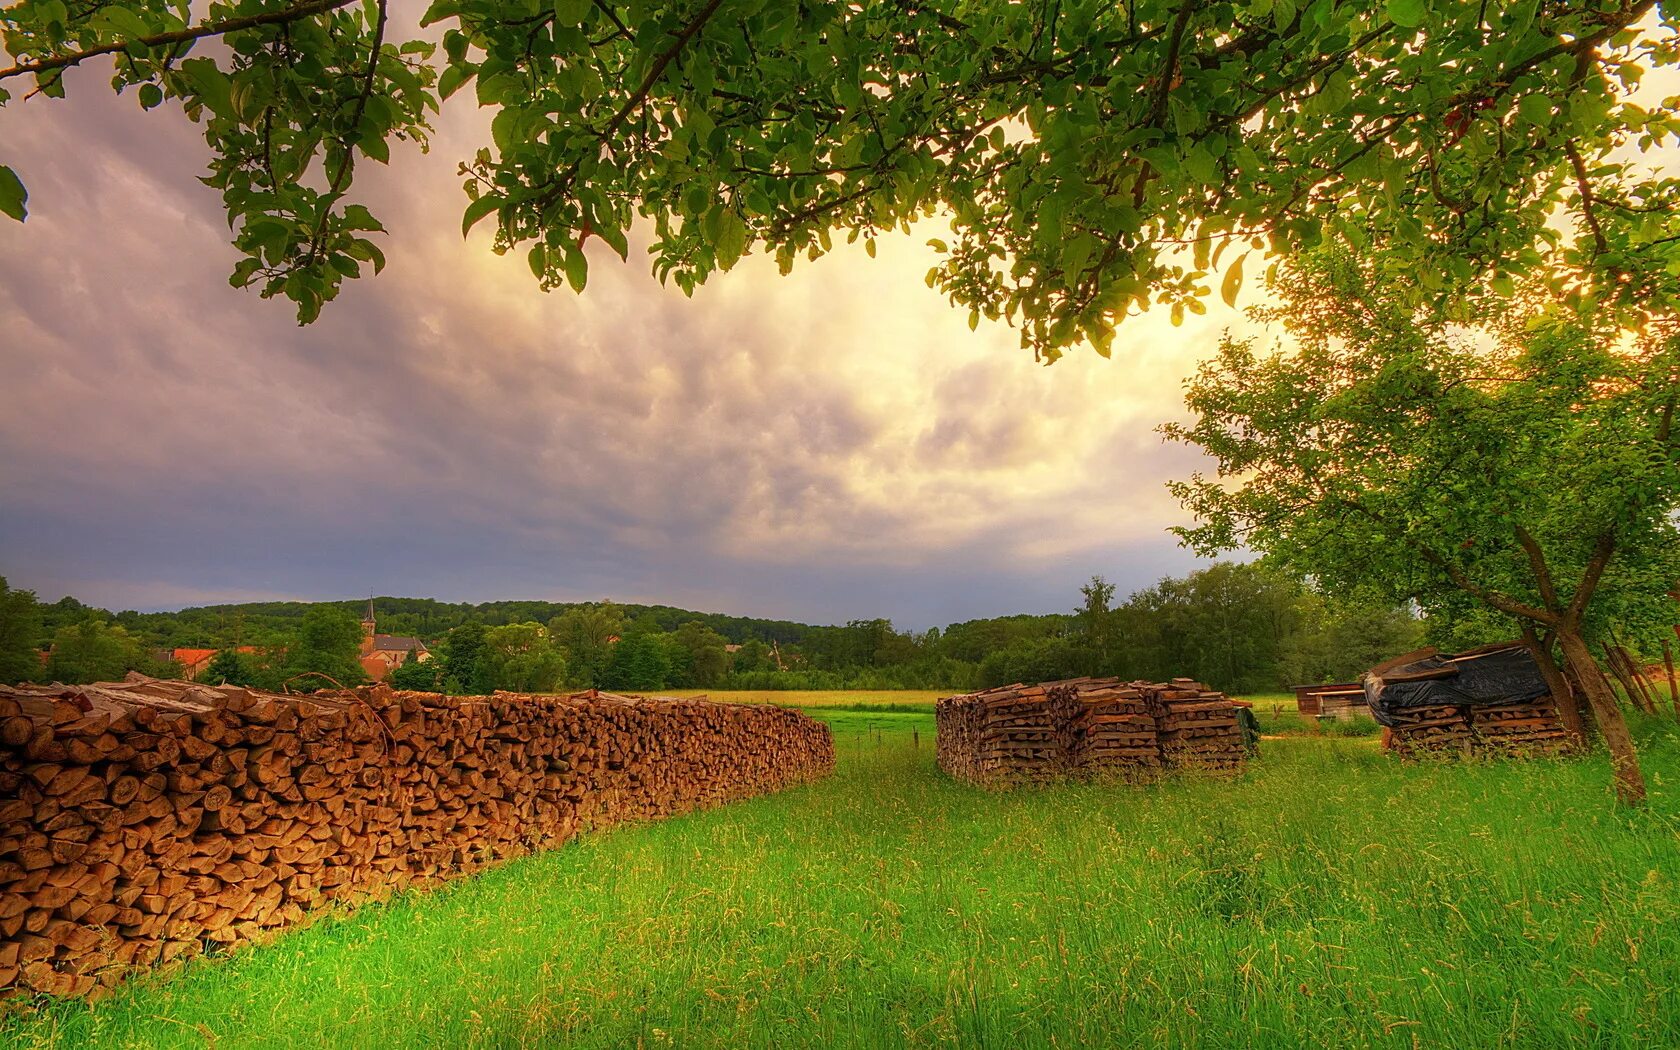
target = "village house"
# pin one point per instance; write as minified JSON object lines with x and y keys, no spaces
{"x":381,"y":652}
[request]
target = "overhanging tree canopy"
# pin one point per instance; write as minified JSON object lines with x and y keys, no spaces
{"x":1093,"y":157}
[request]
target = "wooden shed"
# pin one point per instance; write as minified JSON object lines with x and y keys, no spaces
{"x":1340,"y":700}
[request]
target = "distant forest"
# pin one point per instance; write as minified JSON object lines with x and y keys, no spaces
{"x":1240,"y":627}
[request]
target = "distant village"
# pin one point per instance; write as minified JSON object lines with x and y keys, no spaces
{"x":380,"y":653}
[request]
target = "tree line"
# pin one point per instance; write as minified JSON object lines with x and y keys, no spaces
{"x":1240,"y":627}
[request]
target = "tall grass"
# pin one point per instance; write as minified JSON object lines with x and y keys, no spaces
{"x":1331,"y":897}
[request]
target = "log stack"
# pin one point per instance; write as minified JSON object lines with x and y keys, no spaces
{"x":1435,"y":730}
{"x":1519,"y":729}
{"x":1197,"y":726}
{"x":1112,"y":731}
{"x":997,"y":736}
{"x":1087,"y":727}
{"x":144,"y":821}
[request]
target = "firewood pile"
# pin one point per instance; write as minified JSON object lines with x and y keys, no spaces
{"x":144,"y":821}
{"x":1466,"y":729}
{"x":1086,"y":727}
{"x":1113,"y":731}
{"x":1489,"y":700}
{"x":1197,"y":726}
{"x":1438,"y":730}
{"x":1519,"y":728}
{"x":1013,"y":732}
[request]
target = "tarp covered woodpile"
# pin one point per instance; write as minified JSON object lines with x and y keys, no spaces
{"x":1491,"y":699}
{"x":1087,"y":727}
{"x":145,"y":820}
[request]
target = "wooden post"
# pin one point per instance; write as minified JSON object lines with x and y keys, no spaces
{"x":1673,"y":686}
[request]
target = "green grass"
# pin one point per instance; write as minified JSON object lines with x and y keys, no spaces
{"x":856,"y":699}
{"x":1331,"y":897}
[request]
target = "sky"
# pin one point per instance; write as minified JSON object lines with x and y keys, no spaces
{"x":830,"y":445}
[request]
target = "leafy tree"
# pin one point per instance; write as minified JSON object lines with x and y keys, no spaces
{"x":424,"y":676}
{"x":589,"y":633}
{"x":753,"y":656}
{"x":94,"y":651}
{"x":463,"y":660}
{"x":1533,"y":469}
{"x":20,"y":635}
{"x":700,"y":650}
{"x":520,"y":658}
{"x":232,"y":667}
{"x":639,"y":662}
{"x":328,"y":646}
{"x":1076,"y":147}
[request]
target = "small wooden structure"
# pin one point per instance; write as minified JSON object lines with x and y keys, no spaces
{"x":1339,"y":700}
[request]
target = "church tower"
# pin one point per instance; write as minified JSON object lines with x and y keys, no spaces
{"x":367,"y":622}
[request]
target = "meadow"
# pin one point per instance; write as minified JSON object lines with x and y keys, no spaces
{"x":1331,"y":896}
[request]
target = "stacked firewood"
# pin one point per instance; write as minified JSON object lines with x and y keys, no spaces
{"x":1112,"y":730}
{"x":1467,"y":729}
{"x":1530,"y":728}
{"x":144,"y":821}
{"x":1440,"y":729}
{"x":1013,"y":732}
{"x":1087,"y":727}
{"x":1197,"y":726}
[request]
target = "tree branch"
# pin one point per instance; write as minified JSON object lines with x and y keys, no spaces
{"x":177,"y":36}
{"x":352,"y":137}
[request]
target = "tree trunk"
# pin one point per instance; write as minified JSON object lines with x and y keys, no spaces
{"x":1624,"y":761}
{"x":1568,"y":703}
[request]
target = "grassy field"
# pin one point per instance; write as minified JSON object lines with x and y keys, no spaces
{"x":1331,"y":897}
{"x":842,"y":699}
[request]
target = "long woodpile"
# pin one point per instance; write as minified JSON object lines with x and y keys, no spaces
{"x":1086,"y":727}
{"x":1507,"y":729}
{"x":144,"y":821}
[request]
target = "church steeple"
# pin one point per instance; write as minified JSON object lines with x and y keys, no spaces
{"x":367,"y":621}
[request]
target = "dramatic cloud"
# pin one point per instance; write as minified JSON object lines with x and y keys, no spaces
{"x":827,"y":445}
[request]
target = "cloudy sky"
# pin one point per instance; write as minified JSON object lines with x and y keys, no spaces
{"x":828,"y":445}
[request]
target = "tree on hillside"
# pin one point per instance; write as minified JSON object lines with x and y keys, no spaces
{"x":20,"y":635}
{"x":1075,"y":147}
{"x":1095,"y":620}
{"x":94,"y":651}
{"x":327,"y":646}
{"x":231,"y":667}
{"x":521,"y":658}
{"x":463,"y":668}
{"x":704,"y":660}
{"x":588,"y":634}
{"x":1529,"y":465}
{"x":639,"y":663}
{"x":424,"y":676}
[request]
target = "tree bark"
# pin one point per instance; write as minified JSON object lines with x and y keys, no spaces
{"x":1624,"y":761}
{"x":1568,"y":704}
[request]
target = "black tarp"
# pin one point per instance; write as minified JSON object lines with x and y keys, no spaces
{"x":1494,"y":674}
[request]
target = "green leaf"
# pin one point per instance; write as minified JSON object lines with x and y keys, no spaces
{"x":1233,"y":282}
{"x":538,"y":258}
{"x":151,"y":96}
{"x":477,"y":210}
{"x":731,"y":239}
{"x":577,"y":269}
{"x":1407,"y":13}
